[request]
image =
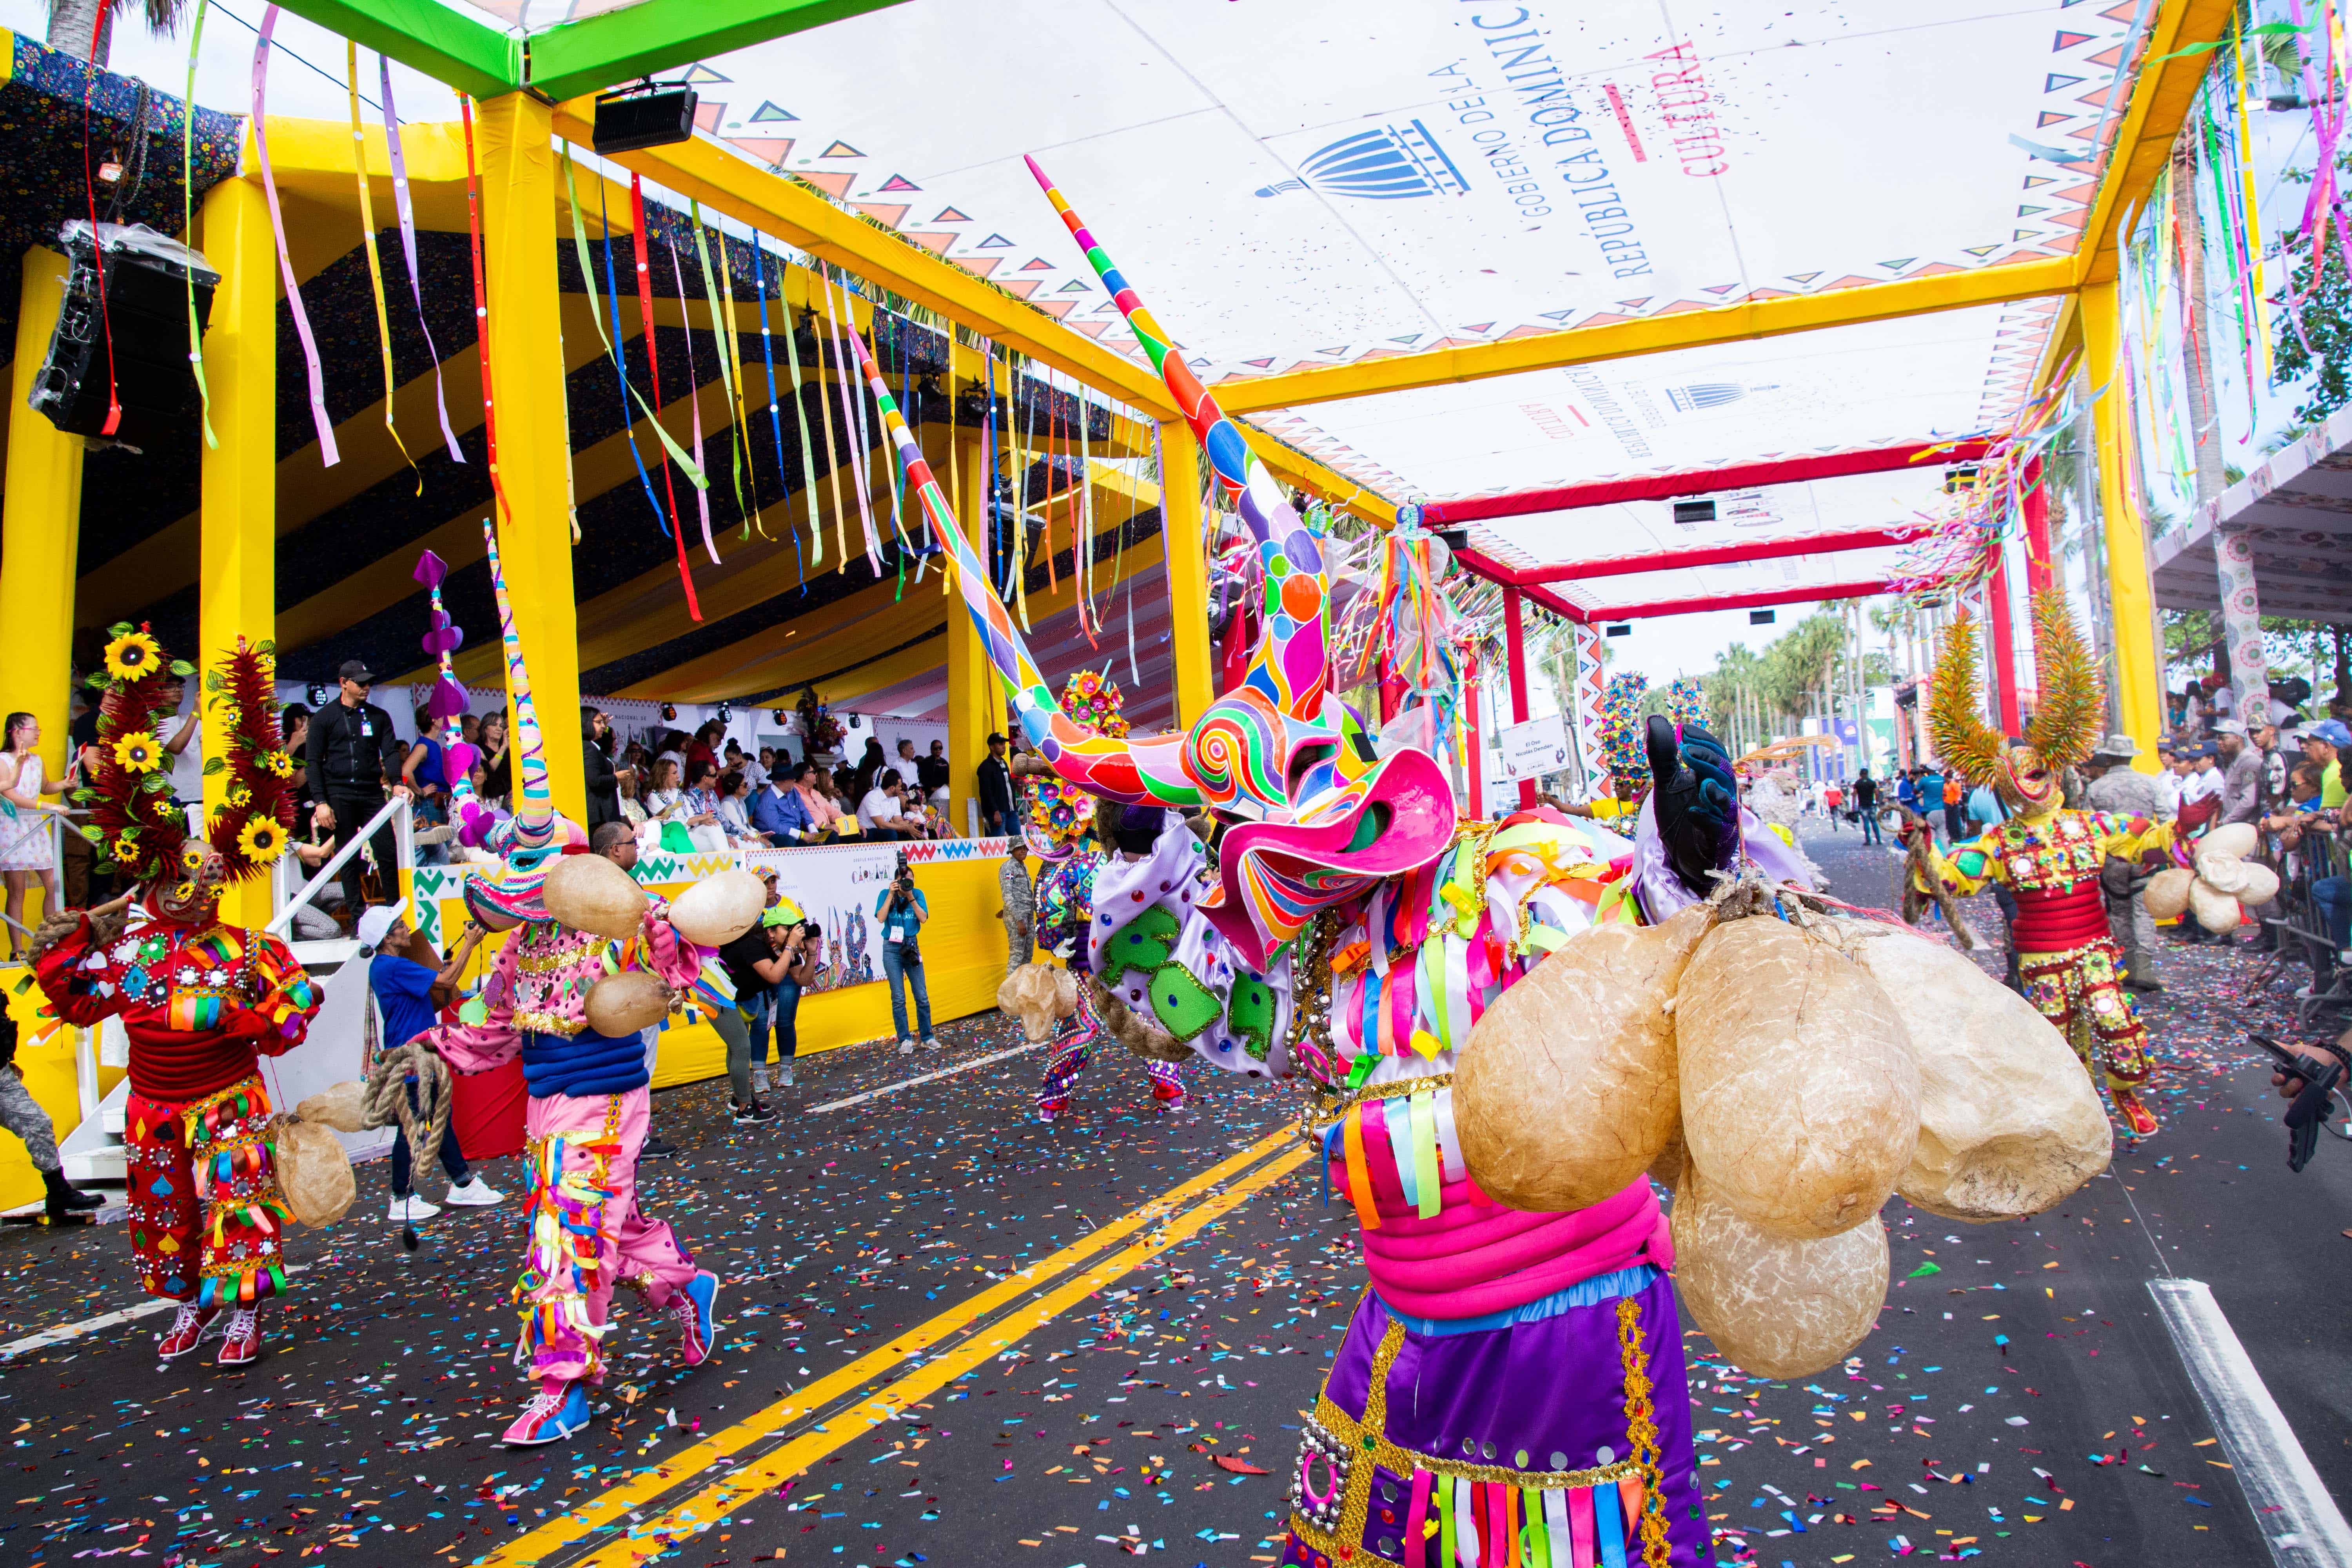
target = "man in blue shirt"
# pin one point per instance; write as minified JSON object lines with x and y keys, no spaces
{"x":902,"y":910}
{"x":778,"y":811}
{"x":403,"y":994}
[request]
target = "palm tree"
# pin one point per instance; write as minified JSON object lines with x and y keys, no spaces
{"x":72,"y":23}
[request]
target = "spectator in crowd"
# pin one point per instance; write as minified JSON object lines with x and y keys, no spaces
{"x":497,"y":760}
{"x":25,"y":820}
{"x":2324,"y":743}
{"x":756,"y":967}
{"x":932,"y":770}
{"x":802,"y":944}
{"x":352,"y":745}
{"x":408,"y":994}
{"x":425,"y":773}
{"x":294,"y":731}
{"x":469,"y":729}
{"x":86,"y":887}
{"x":1832,"y":801}
{"x":868,"y":765}
{"x":881,"y":815}
{"x":704,"y":748}
{"x":1928,"y":789}
{"x":909,"y":769}
{"x":667,"y":796}
{"x":2116,"y":786}
{"x":699,"y":809}
{"x":1866,"y":801}
{"x":1906,"y":789}
{"x":22,"y":1114}
{"x":2200,"y":788}
{"x":312,"y":846}
{"x":776,"y":812}
{"x":1956,"y":825}
{"x":735,"y":811}
{"x":813,"y":786}
{"x":2240,"y":772}
{"x":995,"y":792}
{"x":2264,"y":736}
{"x":603,"y":777}
{"x":902,"y":910}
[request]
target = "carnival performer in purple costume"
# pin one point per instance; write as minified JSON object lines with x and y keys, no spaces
{"x":1511,"y":1378}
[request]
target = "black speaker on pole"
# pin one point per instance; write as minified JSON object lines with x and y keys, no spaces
{"x":146,"y":318}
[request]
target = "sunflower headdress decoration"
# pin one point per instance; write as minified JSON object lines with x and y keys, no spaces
{"x":2064,"y":726}
{"x":141,"y":833}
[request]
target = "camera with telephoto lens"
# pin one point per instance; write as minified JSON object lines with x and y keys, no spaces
{"x":2323,"y":1102}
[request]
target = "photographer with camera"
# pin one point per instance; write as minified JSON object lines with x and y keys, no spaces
{"x":902,"y":910}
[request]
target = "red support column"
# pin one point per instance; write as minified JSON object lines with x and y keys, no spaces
{"x":2004,"y":644}
{"x":2038,"y":571}
{"x":1515,"y":643}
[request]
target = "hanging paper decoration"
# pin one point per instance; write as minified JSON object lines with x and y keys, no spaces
{"x":188,"y":221}
{"x":405,"y":211}
{"x":374,"y":261}
{"x":328,"y":456}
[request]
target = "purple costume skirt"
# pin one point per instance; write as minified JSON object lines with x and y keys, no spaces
{"x":1518,"y":1445}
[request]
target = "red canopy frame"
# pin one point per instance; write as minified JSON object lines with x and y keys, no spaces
{"x":1700,"y":481}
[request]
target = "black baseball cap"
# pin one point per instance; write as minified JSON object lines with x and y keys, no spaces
{"x":355,"y":669}
{"x":995,"y":738}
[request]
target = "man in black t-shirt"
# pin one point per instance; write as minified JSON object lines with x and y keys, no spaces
{"x":353,"y":749}
{"x":1866,"y":801}
{"x":996,"y":811}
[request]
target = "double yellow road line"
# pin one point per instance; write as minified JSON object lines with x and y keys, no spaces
{"x":665,"y":1504}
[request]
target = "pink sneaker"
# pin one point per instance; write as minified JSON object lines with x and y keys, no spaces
{"x":557,"y":1411}
{"x":692,"y":1308}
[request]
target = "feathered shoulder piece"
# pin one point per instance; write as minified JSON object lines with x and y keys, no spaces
{"x":132,"y":817}
{"x":137,"y":830}
{"x":1966,"y":742}
{"x":2066,"y":724}
{"x":252,"y":828}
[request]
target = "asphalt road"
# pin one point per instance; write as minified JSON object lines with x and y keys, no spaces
{"x":952,"y":1335}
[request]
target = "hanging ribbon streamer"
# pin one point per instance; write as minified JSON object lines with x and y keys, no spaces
{"x":824,"y":416}
{"x":481,"y":311}
{"x":610,"y":340}
{"x":775,"y":415}
{"x":800,"y":416}
{"x":853,"y":408}
{"x":188,"y":222}
{"x":723,"y":338}
{"x":374,"y":261}
{"x":328,"y":456}
{"x":404,"y":210}
{"x":742,"y":392}
{"x":89,"y":190}
{"x":693,"y":399}
{"x":988,"y":519}
{"x":653,"y":361}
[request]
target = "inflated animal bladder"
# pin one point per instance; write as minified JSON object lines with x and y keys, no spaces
{"x":1040,"y":995}
{"x":314,"y":1171}
{"x":717,"y":910}
{"x":1774,"y":1305}
{"x":1799,"y":1095}
{"x":621,"y":1005}
{"x":2009,"y":1122}
{"x":590,"y":893}
{"x":1566,"y":1089}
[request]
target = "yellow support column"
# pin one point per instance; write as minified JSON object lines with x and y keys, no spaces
{"x":525,"y":341}
{"x":2139,"y":692}
{"x":975,"y":696}
{"x":40,"y":530}
{"x":1188,"y":571}
{"x":237,"y":567}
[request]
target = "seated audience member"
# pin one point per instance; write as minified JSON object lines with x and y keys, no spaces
{"x":882,"y":815}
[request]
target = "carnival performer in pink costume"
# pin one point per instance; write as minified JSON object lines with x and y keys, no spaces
{"x":589,"y":1092}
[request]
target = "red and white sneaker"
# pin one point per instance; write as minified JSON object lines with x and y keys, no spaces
{"x":2138,"y":1116}
{"x":241,"y":1341}
{"x":558,"y":1410}
{"x":1171,"y":1096}
{"x":190,"y":1328}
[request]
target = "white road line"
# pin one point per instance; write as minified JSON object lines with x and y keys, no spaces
{"x":926,"y":1078}
{"x":2297,"y":1515}
{"x":66,"y":1331}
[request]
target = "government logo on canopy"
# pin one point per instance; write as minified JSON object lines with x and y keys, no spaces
{"x":1388,"y":164}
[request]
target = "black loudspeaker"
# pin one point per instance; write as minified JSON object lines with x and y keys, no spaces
{"x":147,"y":278}
{"x":626,"y":122}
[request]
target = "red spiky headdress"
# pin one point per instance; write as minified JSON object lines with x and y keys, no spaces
{"x":133,"y":820}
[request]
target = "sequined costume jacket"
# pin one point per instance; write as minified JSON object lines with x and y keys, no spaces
{"x":199,"y":1003}
{"x":2052,"y":864}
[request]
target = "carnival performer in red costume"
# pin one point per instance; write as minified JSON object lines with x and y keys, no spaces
{"x":2050,"y":857}
{"x":199,"y":1001}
